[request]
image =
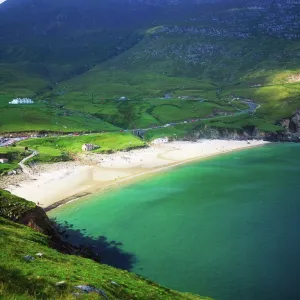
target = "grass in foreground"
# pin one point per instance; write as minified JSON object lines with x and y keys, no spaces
{"x":36,"y":279}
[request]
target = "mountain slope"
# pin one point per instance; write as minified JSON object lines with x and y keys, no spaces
{"x":215,"y":51}
{"x":217,"y":56}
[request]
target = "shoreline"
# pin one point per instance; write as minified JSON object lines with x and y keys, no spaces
{"x":57,"y":184}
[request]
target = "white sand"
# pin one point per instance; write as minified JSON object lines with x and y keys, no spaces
{"x":98,"y":171}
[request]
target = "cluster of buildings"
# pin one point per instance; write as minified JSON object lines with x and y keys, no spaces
{"x":21,"y":101}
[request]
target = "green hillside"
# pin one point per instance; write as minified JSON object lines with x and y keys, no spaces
{"x":64,"y":148}
{"x":174,"y":62}
{"x":53,"y":275}
{"x":37,"y":279}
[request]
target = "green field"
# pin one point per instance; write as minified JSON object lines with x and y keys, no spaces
{"x":41,"y":116}
{"x":57,"y":148}
{"x":64,"y":148}
{"x":73,"y":144}
{"x":89,"y":102}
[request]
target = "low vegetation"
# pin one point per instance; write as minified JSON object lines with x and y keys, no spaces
{"x":53,"y":149}
{"x":17,"y":152}
{"x":65,"y":148}
{"x":44,"y":116}
{"x":73,"y":144}
{"x":14,"y":155}
{"x":13,"y":207}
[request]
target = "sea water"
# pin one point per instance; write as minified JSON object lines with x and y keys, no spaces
{"x":227,"y":227}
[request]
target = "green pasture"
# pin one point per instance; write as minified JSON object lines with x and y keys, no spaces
{"x":107,"y":142}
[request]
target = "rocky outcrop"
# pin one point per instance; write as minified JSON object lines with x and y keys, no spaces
{"x":290,"y":132}
{"x":227,"y":133}
{"x":27,"y":213}
{"x":38,"y":220}
{"x":244,"y":134}
{"x":291,"y":128}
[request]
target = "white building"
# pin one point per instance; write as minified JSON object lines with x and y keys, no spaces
{"x":89,"y":147}
{"x":160,"y":140}
{"x":21,"y":101}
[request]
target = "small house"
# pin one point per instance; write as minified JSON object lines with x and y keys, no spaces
{"x":89,"y":147}
{"x":3,"y":160}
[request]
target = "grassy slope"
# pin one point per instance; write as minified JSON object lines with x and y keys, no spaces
{"x":45,"y":117}
{"x":13,"y":207}
{"x":20,"y":279}
{"x":153,"y":67}
{"x":106,"y":141}
{"x":22,"y":80}
{"x":14,"y":156}
{"x":184,"y":63}
{"x":56,"y":149}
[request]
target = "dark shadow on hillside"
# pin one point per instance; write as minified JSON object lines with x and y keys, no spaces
{"x":99,"y":249}
{"x":17,"y":283}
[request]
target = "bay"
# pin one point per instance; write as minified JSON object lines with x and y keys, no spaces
{"x":227,"y":227}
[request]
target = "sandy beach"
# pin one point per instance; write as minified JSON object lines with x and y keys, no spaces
{"x":53,"y":183}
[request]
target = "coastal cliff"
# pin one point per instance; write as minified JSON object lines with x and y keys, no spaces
{"x":25,"y":212}
{"x":30,"y":267}
{"x":290,"y":132}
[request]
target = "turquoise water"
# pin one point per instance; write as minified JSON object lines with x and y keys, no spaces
{"x":227,"y":227}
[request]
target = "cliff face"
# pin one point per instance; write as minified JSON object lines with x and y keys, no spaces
{"x":292,"y":127}
{"x":38,"y":220}
{"x":290,"y":132}
{"x":25,"y":212}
